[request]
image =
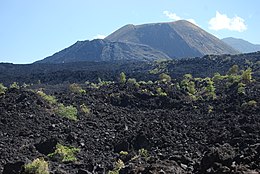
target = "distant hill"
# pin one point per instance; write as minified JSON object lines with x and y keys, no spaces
{"x":180,"y":39}
{"x":103,"y":50}
{"x":241,"y":45}
{"x":177,"y":39}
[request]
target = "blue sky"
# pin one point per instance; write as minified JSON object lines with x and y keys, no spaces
{"x":31,"y":30}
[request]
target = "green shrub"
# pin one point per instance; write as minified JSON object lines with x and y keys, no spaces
{"x":131,"y":81}
{"x":37,"y":166}
{"x":122,"y":78}
{"x":76,"y":88}
{"x":251,"y":103}
{"x":143,"y":153}
{"x":187,"y":76}
{"x":64,"y":153}
{"x":241,"y":88}
{"x":217,"y":77}
{"x":123,"y":153}
{"x":210,"y":109}
{"x":160,"y":92}
{"x":233,"y":70}
{"x":14,"y":86}
{"x":118,"y":166}
{"x":165,"y":77}
{"x":69,"y":112}
{"x":84,"y":109}
{"x":210,"y":88}
{"x":2,"y":89}
{"x":48,"y":98}
{"x":247,"y":75}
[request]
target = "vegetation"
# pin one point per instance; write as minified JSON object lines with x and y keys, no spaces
{"x":64,"y":153}
{"x":123,"y":153}
{"x":246,"y":76}
{"x":143,"y":153}
{"x":48,"y":98}
{"x":37,"y":166}
{"x":122,"y":78}
{"x":118,"y":166}
{"x":241,"y":88}
{"x":188,"y":85}
{"x":84,"y":109}
{"x":76,"y":88}
{"x":210,"y":88}
{"x":69,"y":112}
{"x":14,"y":85}
{"x":165,"y":77}
{"x":2,"y":89}
{"x":233,"y":70}
{"x":133,"y":82}
{"x":160,"y":92}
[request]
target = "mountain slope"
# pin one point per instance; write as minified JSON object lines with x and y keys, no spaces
{"x":241,"y":45}
{"x":176,"y":39}
{"x":102,"y":50}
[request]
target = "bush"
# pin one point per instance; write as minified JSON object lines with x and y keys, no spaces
{"x":217,"y":77}
{"x":2,"y":89}
{"x":143,"y":153}
{"x":14,"y":86}
{"x":165,"y":77}
{"x":122,"y":78}
{"x":210,"y":88}
{"x":118,"y":166}
{"x":249,"y":104}
{"x":76,"y":88}
{"x":38,"y":166}
{"x":69,"y":112}
{"x":241,"y":88}
{"x":247,"y":75}
{"x":84,"y":109}
{"x":64,"y":153}
{"x":233,"y":70}
{"x":131,"y":81}
{"x":160,"y":92}
{"x":48,"y":98}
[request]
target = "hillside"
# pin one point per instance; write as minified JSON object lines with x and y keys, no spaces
{"x":147,"y":42}
{"x":241,"y":45}
{"x":80,"y":72}
{"x":102,"y":50}
{"x":177,"y":39}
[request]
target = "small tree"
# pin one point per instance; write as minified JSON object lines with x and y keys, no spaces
{"x":122,"y":78}
{"x":165,"y":77}
{"x":241,"y":88}
{"x":210,"y":88}
{"x":233,"y":70}
{"x":247,"y":75}
{"x":76,"y":88}
{"x":64,"y":153}
{"x":2,"y":88}
{"x":37,"y":166}
{"x":14,"y":85}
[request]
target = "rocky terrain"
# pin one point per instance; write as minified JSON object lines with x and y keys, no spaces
{"x":80,"y":72}
{"x":168,"y":125}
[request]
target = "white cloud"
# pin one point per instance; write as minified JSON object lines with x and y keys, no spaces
{"x":222,"y":21}
{"x":172,"y":16}
{"x":175,"y":17}
{"x":99,"y":36}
